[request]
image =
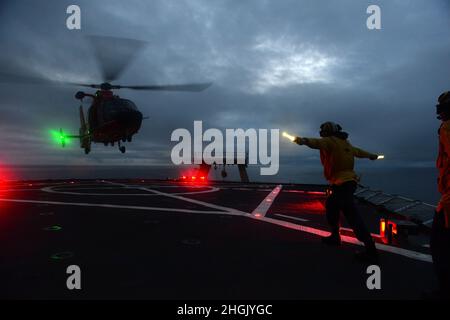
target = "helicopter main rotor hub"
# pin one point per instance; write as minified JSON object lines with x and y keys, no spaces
{"x":106,"y":86}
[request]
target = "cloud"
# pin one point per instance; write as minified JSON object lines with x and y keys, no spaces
{"x":287,"y":64}
{"x":275,"y":64}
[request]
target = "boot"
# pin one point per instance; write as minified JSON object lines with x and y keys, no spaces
{"x":333,"y":240}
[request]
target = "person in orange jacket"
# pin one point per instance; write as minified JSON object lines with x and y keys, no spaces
{"x":440,"y":232}
{"x":337,"y":157}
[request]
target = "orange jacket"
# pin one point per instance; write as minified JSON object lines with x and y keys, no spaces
{"x":337,"y":157}
{"x":443,"y":160}
{"x":443,"y":165}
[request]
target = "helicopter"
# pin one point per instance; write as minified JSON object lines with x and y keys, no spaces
{"x":114,"y":119}
{"x":110,"y":118}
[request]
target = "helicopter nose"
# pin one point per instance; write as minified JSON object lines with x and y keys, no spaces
{"x":130,"y":117}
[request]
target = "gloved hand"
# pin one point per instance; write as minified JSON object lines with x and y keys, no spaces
{"x":297,"y":140}
{"x":373,"y":157}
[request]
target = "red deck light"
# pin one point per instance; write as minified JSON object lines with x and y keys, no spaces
{"x":389,"y":229}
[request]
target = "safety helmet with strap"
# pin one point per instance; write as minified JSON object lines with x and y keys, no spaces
{"x":329,"y":128}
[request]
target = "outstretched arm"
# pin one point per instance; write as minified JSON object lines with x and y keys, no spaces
{"x":313,"y":143}
{"x":360,"y":153}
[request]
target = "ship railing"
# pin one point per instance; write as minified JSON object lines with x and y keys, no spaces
{"x":414,"y":210}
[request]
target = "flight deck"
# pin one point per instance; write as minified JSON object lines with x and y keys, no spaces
{"x":167,"y":239}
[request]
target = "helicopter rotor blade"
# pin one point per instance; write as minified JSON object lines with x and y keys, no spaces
{"x":35,"y":80}
{"x":190,"y":87}
{"x":114,"y":54}
{"x":95,"y":86}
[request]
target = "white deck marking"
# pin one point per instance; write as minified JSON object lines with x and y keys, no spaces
{"x":104,"y":205}
{"x":202,"y":203}
{"x":231,"y":211}
{"x":264,"y":206}
{"x":102,"y":187}
{"x":351,"y":230}
{"x":306,"y":192}
{"x":306,"y":220}
{"x":403,"y":252}
{"x":12,"y":190}
{"x":294,"y":226}
{"x":51,"y":190}
{"x":291,"y":217}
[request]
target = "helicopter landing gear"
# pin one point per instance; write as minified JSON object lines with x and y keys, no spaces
{"x":122,"y":148}
{"x":85,"y":142}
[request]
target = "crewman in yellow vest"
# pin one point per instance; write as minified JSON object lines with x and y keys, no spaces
{"x":337,"y":157}
{"x":440,"y":232}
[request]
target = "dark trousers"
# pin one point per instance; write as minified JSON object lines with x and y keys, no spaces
{"x":440,"y":251}
{"x":341,"y":199}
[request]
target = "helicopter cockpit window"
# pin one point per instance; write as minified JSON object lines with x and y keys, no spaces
{"x":112,"y":108}
{"x":129,"y":104}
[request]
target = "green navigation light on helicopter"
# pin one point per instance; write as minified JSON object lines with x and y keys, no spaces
{"x":59,"y":137}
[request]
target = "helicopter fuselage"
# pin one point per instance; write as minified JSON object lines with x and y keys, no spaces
{"x":111,"y":118}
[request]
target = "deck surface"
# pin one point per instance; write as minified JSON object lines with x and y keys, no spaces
{"x":144,"y":239}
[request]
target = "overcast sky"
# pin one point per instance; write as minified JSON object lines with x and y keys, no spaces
{"x":285,"y":64}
